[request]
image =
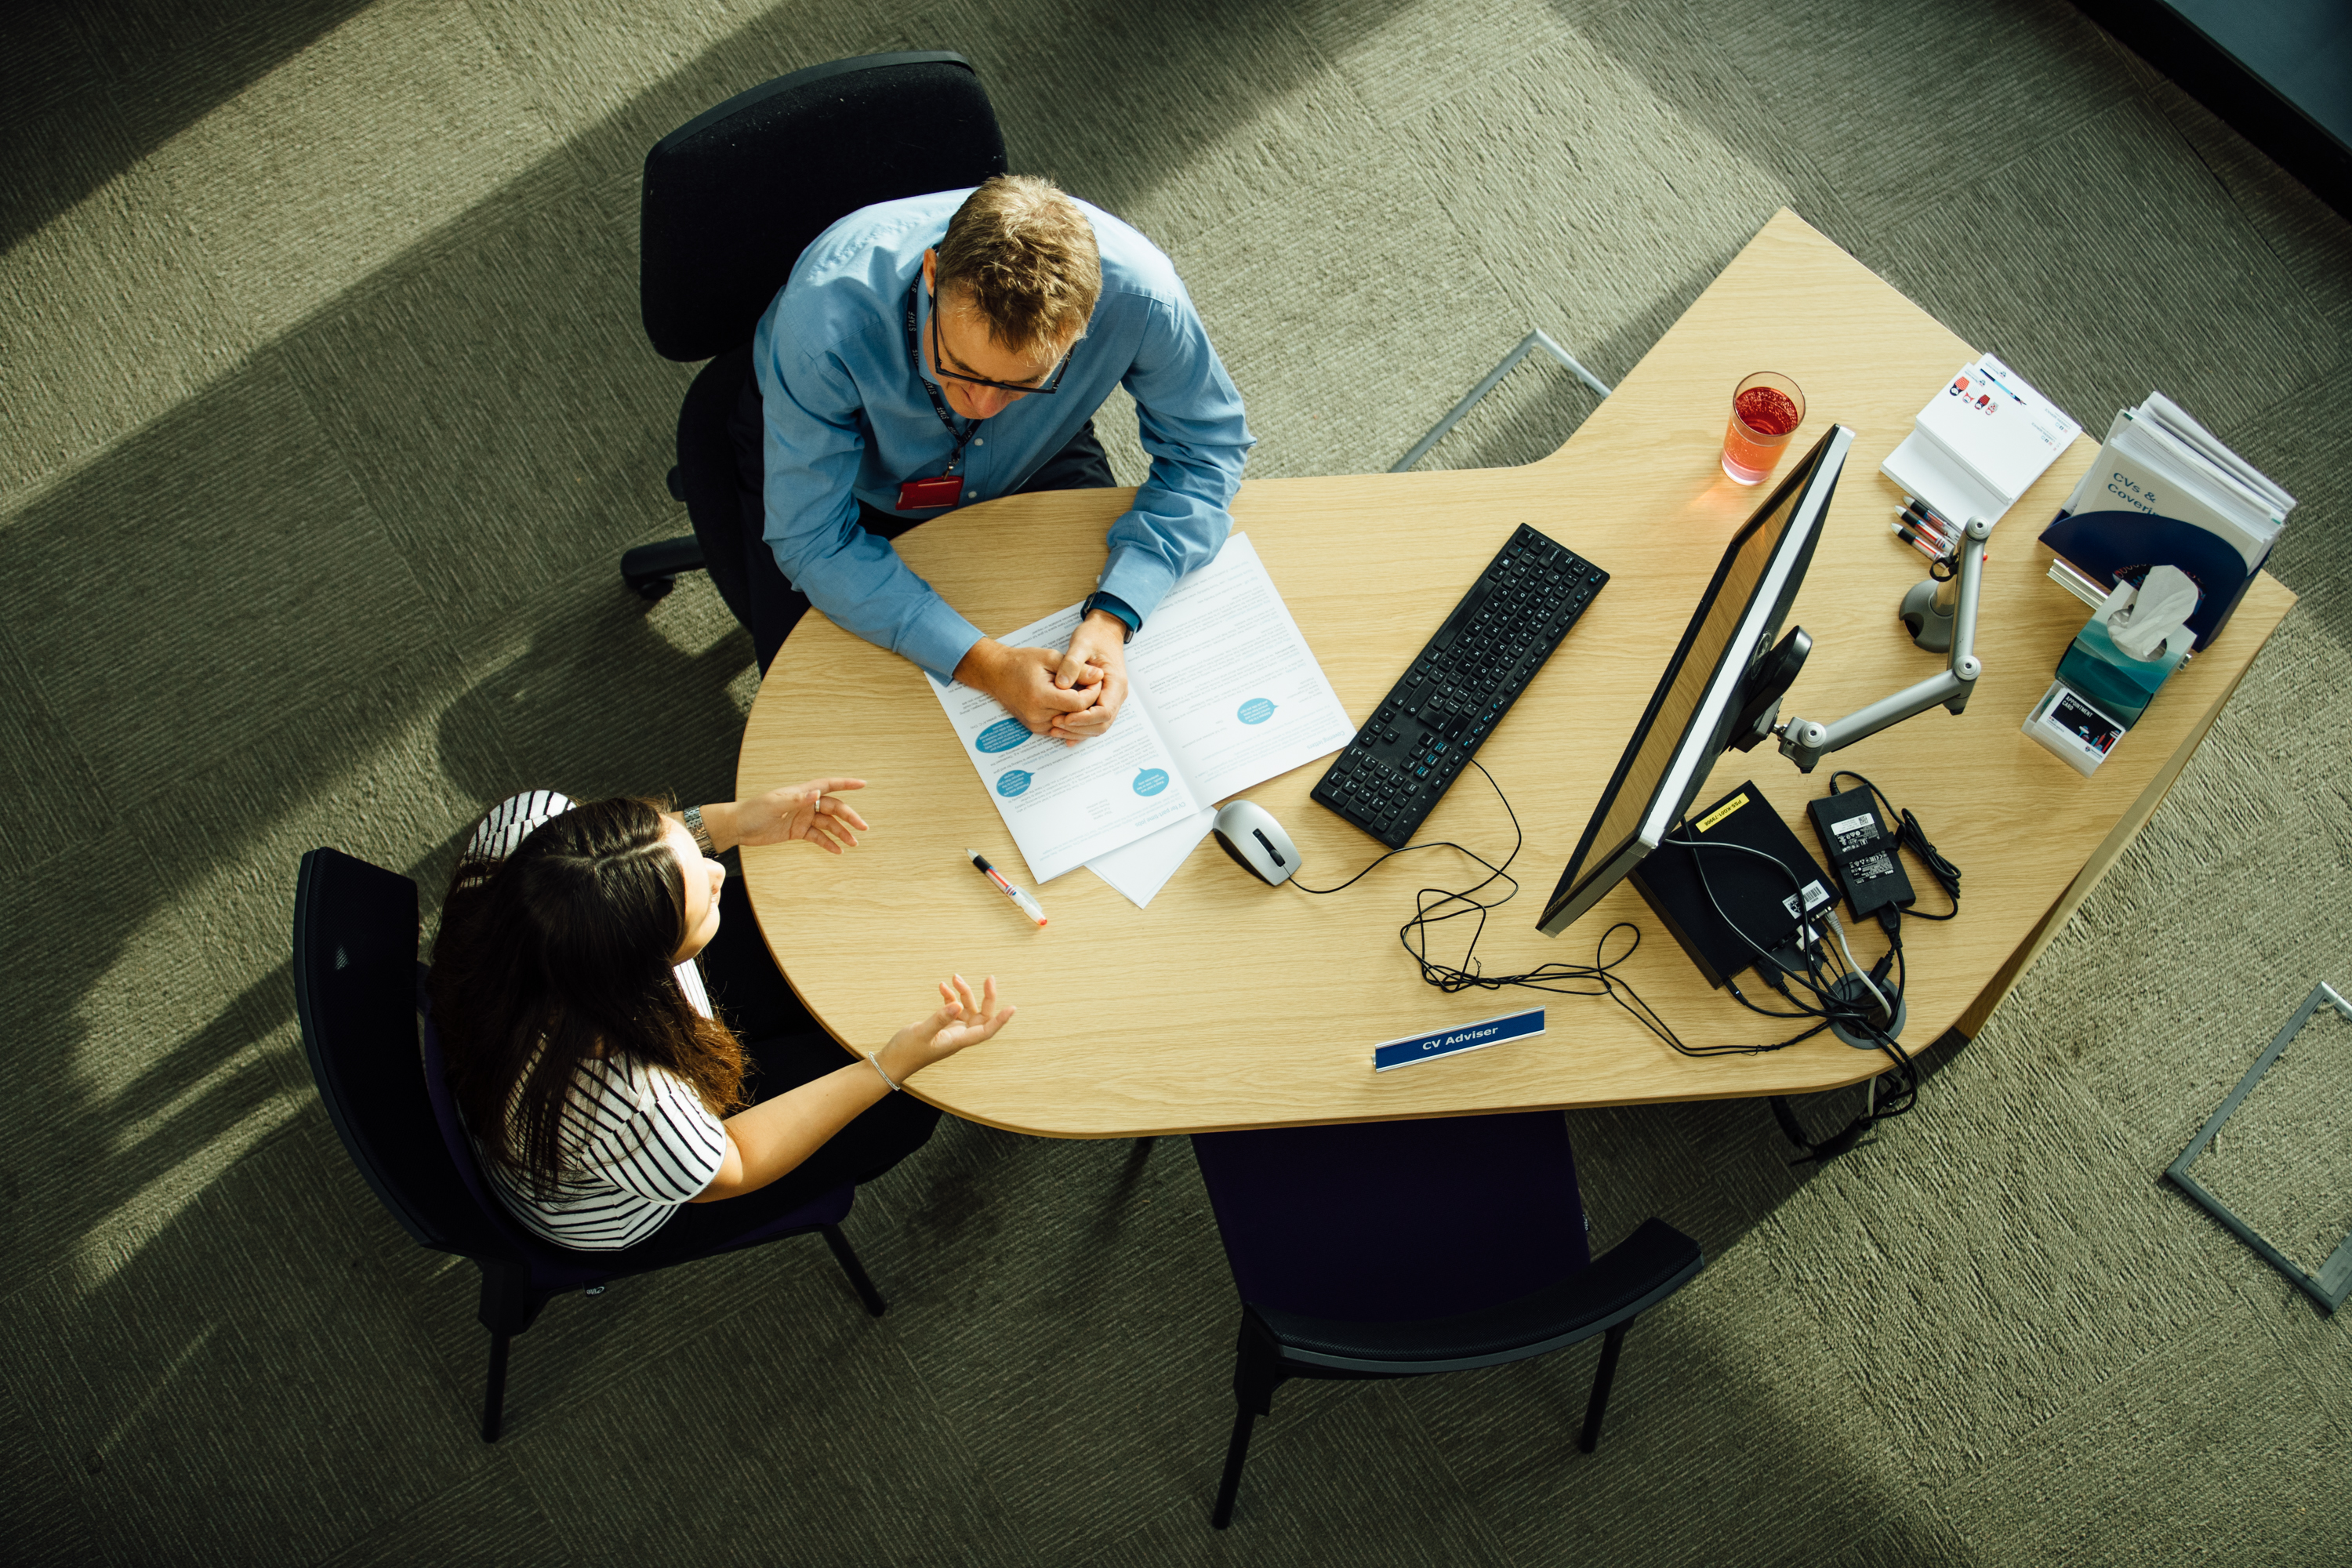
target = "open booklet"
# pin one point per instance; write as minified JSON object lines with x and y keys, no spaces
{"x":1223,"y":693}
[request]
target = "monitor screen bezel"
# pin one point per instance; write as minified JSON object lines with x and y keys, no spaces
{"x":1815,"y":478}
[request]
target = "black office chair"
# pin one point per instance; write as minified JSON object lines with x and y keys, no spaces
{"x":732,"y":199}
{"x":1402,"y":1249}
{"x":358,"y":989}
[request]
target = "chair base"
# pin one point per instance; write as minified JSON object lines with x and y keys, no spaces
{"x":1261,"y":1370}
{"x":652,"y":570}
{"x":1602,"y":1378}
{"x":494,"y":1389}
{"x":509,"y":1306}
{"x":859,"y":1280}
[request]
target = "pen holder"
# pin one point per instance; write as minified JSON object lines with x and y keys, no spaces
{"x":2120,"y":684}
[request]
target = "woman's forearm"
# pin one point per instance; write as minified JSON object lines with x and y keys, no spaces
{"x":776,"y":1136}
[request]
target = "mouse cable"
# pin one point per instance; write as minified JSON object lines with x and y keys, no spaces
{"x":1432,"y":906}
{"x":1911,"y":836}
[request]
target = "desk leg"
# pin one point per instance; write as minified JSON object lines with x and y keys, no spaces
{"x":2126,"y":828}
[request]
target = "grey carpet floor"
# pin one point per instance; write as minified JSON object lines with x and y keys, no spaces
{"x":326,"y":414}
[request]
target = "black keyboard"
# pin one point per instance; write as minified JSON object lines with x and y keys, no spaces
{"x":1444,"y":708}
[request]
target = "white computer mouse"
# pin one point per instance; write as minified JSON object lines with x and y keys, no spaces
{"x":1250,"y":835}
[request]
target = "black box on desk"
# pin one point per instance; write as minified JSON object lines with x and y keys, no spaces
{"x":1751,"y":887}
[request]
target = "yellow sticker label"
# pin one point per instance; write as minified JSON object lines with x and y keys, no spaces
{"x":1720,"y":812}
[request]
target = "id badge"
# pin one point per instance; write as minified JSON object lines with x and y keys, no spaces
{"x":922,"y":495}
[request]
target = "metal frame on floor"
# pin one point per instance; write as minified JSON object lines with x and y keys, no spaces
{"x":2334,"y":1281}
{"x":1538,"y":339}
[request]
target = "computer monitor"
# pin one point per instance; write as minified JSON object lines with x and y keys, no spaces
{"x":1691,"y":716}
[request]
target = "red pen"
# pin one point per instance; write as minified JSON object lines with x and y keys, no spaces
{"x":1934,"y":536}
{"x":1930,"y":523}
{"x":1918,"y":541}
{"x":1028,"y":905}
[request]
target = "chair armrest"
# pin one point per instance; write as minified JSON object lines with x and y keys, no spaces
{"x":1636,"y":1274}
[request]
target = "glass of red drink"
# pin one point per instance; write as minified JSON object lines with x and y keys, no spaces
{"x":1766,"y":410}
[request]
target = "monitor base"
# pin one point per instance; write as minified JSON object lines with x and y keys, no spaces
{"x":1927,"y":615}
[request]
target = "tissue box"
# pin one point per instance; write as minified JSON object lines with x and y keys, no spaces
{"x":2111,"y":678}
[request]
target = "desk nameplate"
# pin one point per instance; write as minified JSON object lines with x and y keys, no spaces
{"x":1453,"y":1042}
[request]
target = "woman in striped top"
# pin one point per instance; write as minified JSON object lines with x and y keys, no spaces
{"x":609,"y":1101}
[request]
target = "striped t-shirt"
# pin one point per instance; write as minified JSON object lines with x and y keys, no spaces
{"x":637,"y":1139}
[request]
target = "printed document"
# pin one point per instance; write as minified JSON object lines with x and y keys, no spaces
{"x":1223,"y":693}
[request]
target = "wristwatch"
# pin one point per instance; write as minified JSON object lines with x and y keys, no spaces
{"x":692,"y":816}
{"x":1116,"y":608}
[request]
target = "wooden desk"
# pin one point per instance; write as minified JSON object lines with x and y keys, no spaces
{"x":1229,"y":1004}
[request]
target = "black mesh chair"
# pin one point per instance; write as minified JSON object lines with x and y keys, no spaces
{"x":732,"y":199}
{"x":358,"y":989}
{"x":1404,"y":1248}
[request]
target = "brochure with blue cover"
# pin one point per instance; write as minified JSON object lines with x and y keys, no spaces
{"x":2115,"y":545}
{"x":2165,"y":491}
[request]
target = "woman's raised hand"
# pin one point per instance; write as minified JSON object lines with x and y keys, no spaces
{"x":812,"y":811}
{"x":961,"y":1020}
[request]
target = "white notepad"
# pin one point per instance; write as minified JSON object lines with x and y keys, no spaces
{"x":1980,"y":443}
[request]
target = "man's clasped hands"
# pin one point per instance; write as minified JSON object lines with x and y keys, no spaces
{"x":1071,"y":696}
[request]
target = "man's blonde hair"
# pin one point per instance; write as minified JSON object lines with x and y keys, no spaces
{"x":1022,"y":254}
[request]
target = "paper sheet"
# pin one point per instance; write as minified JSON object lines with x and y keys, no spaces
{"x":1224,"y":693}
{"x":1142,"y":868}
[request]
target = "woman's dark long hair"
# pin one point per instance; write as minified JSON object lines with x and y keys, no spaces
{"x":559,"y":956}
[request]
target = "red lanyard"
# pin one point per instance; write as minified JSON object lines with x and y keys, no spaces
{"x":915,"y":354}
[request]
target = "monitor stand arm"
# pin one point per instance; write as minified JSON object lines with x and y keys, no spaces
{"x":1941,"y":614}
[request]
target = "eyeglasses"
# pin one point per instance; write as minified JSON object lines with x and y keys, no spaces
{"x":1045,"y":386}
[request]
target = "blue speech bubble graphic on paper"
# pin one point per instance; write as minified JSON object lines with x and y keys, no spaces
{"x":1256,"y":711}
{"x":1002,"y":736}
{"x":1151,"y":781}
{"x":1012,"y":783}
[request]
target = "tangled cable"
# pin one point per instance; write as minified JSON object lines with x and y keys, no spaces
{"x":1809,"y":965}
{"x":1435,"y":906}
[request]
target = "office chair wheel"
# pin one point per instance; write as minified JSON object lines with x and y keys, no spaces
{"x":654,"y":590}
{"x":676,"y":483}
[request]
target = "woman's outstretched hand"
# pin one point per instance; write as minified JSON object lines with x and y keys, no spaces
{"x":812,"y":811}
{"x":961,"y":1020}
{"x":775,"y":1135}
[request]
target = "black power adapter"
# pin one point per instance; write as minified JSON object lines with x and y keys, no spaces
{"x":1861,"y":846}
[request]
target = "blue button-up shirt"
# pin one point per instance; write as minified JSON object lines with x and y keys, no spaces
{"x":849,"y":420}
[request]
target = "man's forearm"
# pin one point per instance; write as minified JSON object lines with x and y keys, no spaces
{"x":1176,"y":525}
{"x":862,"y":585}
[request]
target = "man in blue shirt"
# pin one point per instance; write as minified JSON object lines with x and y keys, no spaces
{"x":945,"y":349}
